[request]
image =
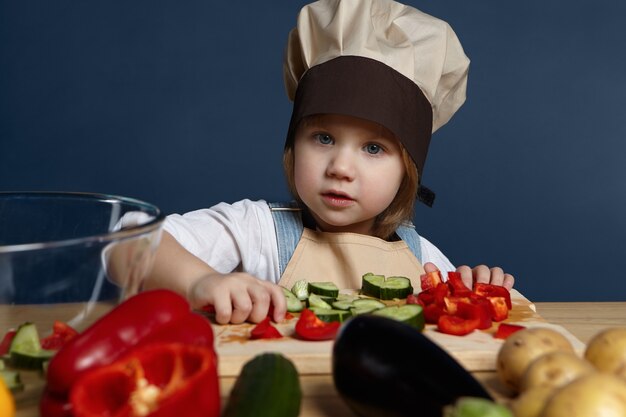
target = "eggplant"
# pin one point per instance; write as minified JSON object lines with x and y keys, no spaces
{"x":383,"y":367}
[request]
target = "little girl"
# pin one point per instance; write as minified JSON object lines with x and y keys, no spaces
{"x":370,"y":81}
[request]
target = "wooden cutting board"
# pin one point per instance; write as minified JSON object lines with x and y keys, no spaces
{"x":476,"y":351}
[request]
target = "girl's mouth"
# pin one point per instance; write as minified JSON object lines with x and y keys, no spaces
{"x":335,"y":199}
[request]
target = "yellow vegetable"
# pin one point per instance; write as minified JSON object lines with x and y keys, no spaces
{"x":7,"y":404}
{"x":607,"y":351}
{"x":524,"y":346}
{"x":592,"y":395}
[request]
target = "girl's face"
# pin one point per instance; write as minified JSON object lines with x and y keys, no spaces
{"x":346,"y":170}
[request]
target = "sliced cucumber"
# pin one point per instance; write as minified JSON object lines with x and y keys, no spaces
{"x":25,"y":350}
{"x":293,"y":303}
{"x":370,"y":284}
{"x":385,"y":289}
{"x":357,"y":311}
{"x":301,"y":289}
{"x":342,"y":305}
{"x":327,"y":289}
{"x":12,"y":380}
{"x":315,"y":301}
{"x":395,"y":287}
{"x":409,"y":313}
{"x":329,"y":314}
{"x":368,"y":303}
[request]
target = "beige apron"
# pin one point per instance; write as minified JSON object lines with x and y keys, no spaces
{"x":343,"y":258}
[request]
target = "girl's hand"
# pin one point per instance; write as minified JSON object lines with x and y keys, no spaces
{"x":238,"y":297}
{"x":480,"y":273}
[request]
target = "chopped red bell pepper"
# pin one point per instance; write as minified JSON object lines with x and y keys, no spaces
{"x":456,"y":325}
{"x":457,"y":286}
{"x":265,"y":330}
{"x":5,"y":345}
{"x":440,"y":293}
{"x":412,"y":299}
{"x":451,"y":302}
{"x":310,"y":327}
{"x":506,"y":329}
{"x":148,"y":317}
{"x":432,"y":312}
{"x":484,"y":312}
{"x":157,"y":380}
{"x":61,"y":334}
{"x":491,"y":290}
{"x":430,"y":280}
{"x":499,"y":310}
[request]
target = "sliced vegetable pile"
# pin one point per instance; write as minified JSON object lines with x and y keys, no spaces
{"x":458,"y":310}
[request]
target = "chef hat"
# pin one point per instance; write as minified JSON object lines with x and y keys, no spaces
{"x":377,"y":60}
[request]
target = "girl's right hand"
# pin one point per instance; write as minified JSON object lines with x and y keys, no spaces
{"x":238,"y":297}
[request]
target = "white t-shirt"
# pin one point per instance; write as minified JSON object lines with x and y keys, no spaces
{"x":241,"y":237}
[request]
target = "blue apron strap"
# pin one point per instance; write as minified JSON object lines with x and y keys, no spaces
{"x":288,"y":226}
{"x":408,"y":233}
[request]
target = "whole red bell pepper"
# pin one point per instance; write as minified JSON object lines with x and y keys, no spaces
{"x":156,"y":380}
{"x":149,"y":317}
{"x":310,"y":327}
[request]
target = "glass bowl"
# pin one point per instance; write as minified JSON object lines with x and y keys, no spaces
{"x":71,"y":256}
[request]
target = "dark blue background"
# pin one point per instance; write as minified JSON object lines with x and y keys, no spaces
{"x":182,"y":104}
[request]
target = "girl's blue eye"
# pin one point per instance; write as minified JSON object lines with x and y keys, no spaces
{"x":373,"y":149}
{"x":324,"y":139}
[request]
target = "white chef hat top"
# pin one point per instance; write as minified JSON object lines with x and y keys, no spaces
{"x":378,"y":60}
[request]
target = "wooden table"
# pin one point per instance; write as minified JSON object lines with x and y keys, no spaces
{"x":321,"y":399}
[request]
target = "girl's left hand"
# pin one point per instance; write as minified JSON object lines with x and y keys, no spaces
{"x":480,"y":273}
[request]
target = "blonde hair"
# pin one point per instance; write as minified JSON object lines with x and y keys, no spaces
{"x":398,"y":212}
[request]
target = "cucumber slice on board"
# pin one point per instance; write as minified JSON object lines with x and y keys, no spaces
{"x":315,"y":301}
{"x":385,"y":289}
{"x":327,"y":289}
{"x":301,"y":289}
{"x":329,"y":314}
{"x":293,"y":303}
{"x":411,"y":314}
{"x":12,"y":380}
{"x":368,"y":303}
{"x":25,"y":350}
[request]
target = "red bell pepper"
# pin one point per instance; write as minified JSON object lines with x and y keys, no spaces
{"x":456,"y":325}
{"x":457,"y":286}
{"x":310,"y":327}
{"x":506,"y":329}
{"x":61,"y":334}
{"x":265,"y":330}
{"x":491,"y":290}
{"x":5,"y":345}
{"x":499,"y":310}
{"x":430,"y":280}
{"x":149,"y":317}
{"x":157,"y":380}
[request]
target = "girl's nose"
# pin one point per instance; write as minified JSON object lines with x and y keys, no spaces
{"x":341,"y":166}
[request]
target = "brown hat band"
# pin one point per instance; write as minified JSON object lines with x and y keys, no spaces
{"x":367,"y":89}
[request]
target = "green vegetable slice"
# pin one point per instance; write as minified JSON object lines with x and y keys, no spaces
{"x":293,"y":303}
{"x":25,"y":350}
{"x":315,"y":301}
{"x":327,"y":289}
{"x":411,"y":314}
{"x":301,"y":289}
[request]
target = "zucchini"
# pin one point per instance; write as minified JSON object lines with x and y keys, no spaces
{"x":25,"y":350}
{"x":385,"y":289}
{"x":329,"y":314}
{"x":268,"y":385}
{"x":327,"y":289}
{"x":383,"y":367}
{"x":411,"y":314}
{"x":315,"y":301}
{"x":301,"y":289}
{"x":293,"y":303}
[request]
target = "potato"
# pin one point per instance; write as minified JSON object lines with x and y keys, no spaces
{"x":554,"y":369}
{"x":522,"y":347}
{"x":607,"y":351}
{"x":597,"y":394}
{"x":531,"y":402}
